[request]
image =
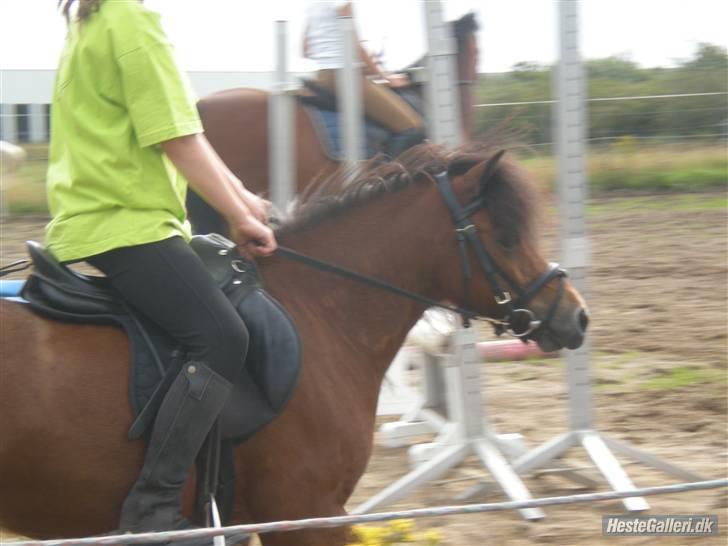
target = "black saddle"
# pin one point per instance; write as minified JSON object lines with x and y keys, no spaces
{"x":272,"y":364}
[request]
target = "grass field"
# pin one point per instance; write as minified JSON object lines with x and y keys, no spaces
{"x":625,"y":166}
{"x":629,"y":167}
{"x":24,"y":191}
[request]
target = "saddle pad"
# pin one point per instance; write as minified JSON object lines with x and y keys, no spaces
{"x":328,"y":131}
{"x":10,"y":288}
{"x":321,"y":110}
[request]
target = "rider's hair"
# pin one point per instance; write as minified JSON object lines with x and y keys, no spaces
{"x":465,"y":27}
{"x":85,"y":8}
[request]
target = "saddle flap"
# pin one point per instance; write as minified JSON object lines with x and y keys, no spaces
{"x":271,"y":370}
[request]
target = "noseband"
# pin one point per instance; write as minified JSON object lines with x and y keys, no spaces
{"x":518,"y":321}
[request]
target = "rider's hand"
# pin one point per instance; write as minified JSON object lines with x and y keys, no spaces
{"x":260,"y":208}
{"x":398,"y":80}
{"x":253,"y":238}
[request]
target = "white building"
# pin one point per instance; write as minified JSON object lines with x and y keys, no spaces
{"x":25,"y":96}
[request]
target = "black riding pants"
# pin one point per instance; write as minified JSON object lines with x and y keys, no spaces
{"x":167,"y":282}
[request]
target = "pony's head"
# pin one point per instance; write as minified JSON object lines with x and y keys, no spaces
{"x":462,"y":224}
{"x":501,"y":273}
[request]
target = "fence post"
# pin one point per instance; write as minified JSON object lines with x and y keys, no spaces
{"x":281,"y":127}
{"x":349,"y":91}
{"x":443,"y":111}
{"x":571,"y":132}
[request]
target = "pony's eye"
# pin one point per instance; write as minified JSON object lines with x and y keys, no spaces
{"x":509,"y":241}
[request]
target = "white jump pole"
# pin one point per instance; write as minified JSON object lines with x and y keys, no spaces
{"x":467,"y":431}
{"x":443,"y":108}
{"x":444,"y":127}
{"x":571,"y":130}
{"x":349,"y":91}
{"x":281,"y":126}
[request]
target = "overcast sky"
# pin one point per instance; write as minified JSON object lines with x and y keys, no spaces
{"x":239,"y":35}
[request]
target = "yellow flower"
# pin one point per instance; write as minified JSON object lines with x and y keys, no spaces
{"x":402,"y":526}
{"x":371,"y":536}
{"x":432,"y":537}
{"x":395,"y":533}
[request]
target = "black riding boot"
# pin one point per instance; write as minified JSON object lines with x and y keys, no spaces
{"x":399,"y":142}
{"x":186,"y":415}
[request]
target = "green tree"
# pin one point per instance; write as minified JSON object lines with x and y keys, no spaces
{"x":705,"y":72}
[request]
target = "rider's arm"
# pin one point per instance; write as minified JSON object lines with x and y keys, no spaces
{"x":201,"y":166}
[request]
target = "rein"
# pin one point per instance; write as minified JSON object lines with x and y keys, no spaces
{"x":466,"y":234}
{"x":14,"y":267}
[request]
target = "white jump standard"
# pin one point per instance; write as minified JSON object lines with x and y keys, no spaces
{"x":571,"y":129}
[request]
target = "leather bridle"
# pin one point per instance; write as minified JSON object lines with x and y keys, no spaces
{"x":518,"y":320}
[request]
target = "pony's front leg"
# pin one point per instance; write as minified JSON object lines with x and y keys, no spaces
{"x":335,"y":536}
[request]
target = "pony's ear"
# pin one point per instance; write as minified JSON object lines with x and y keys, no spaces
{"x":489,"y":168}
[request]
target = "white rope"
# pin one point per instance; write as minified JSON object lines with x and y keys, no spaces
{"x":339,"y":521}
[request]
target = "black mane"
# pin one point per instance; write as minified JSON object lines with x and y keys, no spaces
{"x":508,"y":197}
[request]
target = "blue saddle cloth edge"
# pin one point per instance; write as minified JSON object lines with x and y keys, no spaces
{"x":10,"y":289}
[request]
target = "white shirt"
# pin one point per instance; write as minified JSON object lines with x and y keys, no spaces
{"x":323,"y":35}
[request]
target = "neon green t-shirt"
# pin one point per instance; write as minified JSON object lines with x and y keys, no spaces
{"x":118,"y":94}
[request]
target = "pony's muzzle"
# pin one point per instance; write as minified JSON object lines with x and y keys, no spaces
{"x":575,"y":330}
{"x":583,"y":319}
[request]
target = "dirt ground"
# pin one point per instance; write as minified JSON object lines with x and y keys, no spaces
{"x":659,"y":365}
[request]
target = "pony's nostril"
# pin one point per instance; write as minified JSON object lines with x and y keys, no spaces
{"x":583,"y":319}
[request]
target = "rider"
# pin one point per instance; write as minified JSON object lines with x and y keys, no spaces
{"x":322,"y":44}
{"x":125,"y":141}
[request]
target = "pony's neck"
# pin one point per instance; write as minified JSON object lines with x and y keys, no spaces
{"x":385,"y":240}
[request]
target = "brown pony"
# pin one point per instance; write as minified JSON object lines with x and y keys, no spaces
{"x":236,"y":123}
{"x":65,"y":462}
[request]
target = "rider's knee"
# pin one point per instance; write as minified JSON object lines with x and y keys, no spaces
{"x":228,"y":344}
